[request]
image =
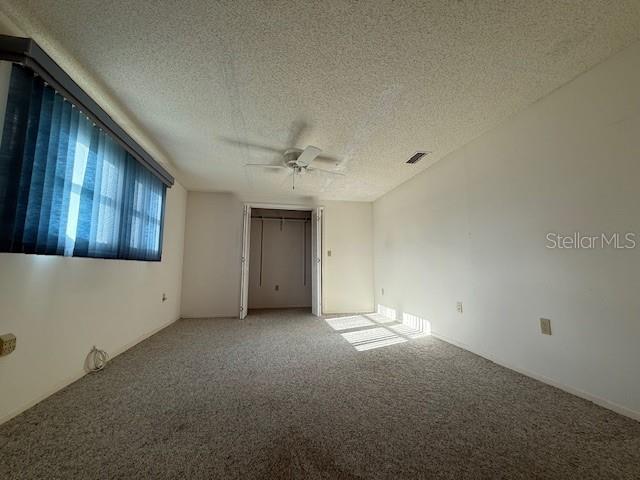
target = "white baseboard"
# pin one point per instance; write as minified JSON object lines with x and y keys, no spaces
{"x":79,"y":374}
{"x":350,"y":312}
{"x":288,"y":307}
{"x":627,"y":412}
{"x":58,"y":386}
{"x":141,"y":338}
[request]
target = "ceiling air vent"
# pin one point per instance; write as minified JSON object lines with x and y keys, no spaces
{"x":416,"y":157}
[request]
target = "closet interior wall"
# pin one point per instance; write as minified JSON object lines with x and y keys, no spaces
{"x":280,"y":260}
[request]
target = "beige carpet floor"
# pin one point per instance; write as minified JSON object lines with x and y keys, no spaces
{"x":283,"y":394}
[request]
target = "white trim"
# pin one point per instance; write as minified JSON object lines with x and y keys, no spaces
{"x":78,"y":375}
{"x":289,"y":307}
{"x":317,"y":263}
{"x":627,"y":412}
{"x":279,"y":206}
{"x":243,"y":308}
{"x":350,"y":312}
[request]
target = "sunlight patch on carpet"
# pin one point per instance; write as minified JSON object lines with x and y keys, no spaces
{"x":346,"y":323}
{"x":372,"y":338}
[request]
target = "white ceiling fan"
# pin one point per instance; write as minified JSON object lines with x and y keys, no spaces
{"x":294,"y":160}
{"x":298,"y":162}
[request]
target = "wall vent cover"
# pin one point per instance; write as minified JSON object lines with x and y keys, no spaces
{"x":416,"y":157}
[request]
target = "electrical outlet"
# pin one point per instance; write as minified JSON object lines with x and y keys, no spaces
{"x":7,"y":344}
{"x":459,"y":307}
{"x":545,"y":326}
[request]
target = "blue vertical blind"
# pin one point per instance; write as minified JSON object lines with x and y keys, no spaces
{"x":66,"y":187}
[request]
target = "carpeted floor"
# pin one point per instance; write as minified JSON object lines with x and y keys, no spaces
{"x":283,"y":394}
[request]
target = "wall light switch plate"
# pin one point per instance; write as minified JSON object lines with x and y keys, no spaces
{"x":459,"y":307}
{"x":7,"y":344}
{"x":328,"y":253}
{"x":545,"y":326}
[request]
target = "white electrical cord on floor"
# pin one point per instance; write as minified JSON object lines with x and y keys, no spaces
{"x":96,"y":360}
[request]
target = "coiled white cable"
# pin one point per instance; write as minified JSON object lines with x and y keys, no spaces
{"x":96,"y":360}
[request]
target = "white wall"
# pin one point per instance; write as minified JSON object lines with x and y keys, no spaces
{"x":213,"y":246}
{"x":59,"y":307}
{"x":285,"y":258}
{"x":211,"y":286}
{"x":348,"y":272}
{"x":473,"y":227}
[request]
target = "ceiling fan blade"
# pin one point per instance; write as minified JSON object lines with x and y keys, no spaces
{"x":314,"y":169}
{"x":307,"y":156}
{"x":328,"y":160}
{"x":256,"y":146}
{"x":266,"y":165}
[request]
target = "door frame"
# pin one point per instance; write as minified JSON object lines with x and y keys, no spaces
{"x":316,"y":254}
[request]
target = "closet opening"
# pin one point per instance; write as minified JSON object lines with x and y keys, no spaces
{"x":281,"y":259}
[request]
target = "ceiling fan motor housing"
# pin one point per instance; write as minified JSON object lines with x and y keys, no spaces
{"x":290,"y":157}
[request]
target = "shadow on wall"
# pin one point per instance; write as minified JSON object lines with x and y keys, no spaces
{"x":381,"y":329}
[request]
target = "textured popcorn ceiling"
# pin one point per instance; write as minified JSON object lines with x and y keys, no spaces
{"x":373,"y":81}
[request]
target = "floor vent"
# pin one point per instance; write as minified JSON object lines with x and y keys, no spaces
{"x":416,"y":157}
